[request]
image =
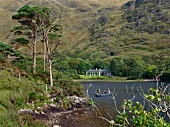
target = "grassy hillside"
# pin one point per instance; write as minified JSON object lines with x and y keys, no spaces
{"x":21,"y":90}
{"x":17,"y":94}
{"x":97,"y":28}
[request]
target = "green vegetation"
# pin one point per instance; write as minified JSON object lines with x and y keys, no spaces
{"x":131,"y":66}
{"x":152,"y":111}
{"x":112,"y":35}
{"x":20,"y":89}
{"x":131,"y":42}
{"x":96,"y":78}
{"x":139,"y":116}
{"x":7,"y":51}
{"x":15,"y":95}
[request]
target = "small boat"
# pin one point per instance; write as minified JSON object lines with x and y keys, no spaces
{"x":102,"y":94}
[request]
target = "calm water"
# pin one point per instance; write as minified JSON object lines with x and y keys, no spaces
{"x":106,"y":104}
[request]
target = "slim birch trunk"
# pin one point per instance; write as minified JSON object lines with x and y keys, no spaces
{"x":51,"y":74}
{"x":45,"y":56}
{"x":34,"y":53}
{"x":49,"y":50}
{"x":49,"y":59}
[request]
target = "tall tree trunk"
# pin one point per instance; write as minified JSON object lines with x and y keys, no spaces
{"x":45,"y":56}
{"x":34,"y":50}
{"x":51,"y":74}
{"x":34,"y":53}
{"x":49,"y":50}
{"x":49,"y":59}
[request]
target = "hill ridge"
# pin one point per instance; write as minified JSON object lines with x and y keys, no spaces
{"x":95,"y":27}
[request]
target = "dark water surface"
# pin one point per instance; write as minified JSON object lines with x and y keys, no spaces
{"x":106,"y":104}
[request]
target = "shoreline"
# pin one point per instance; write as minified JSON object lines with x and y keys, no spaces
{"x":88,"y":80}
{"x":119,"y":81}
{"x":53,"y":115}
{"x":57,"y":117}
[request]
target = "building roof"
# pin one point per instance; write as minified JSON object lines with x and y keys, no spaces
{"x":95,"y":70}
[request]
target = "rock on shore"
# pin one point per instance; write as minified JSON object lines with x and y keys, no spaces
{"x":55,"y":116}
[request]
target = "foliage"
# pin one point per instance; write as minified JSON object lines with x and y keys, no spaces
{"x":26,"y":65}
{"x":66,"y":103}
{"x":83,"y":66}
{"x":7,"y":51}
{"x":153,"y":111}
{"x":112,"y":37}
{"x":91,"y":102}
{"x":17,"y":90}
{"x":71,"y":66}
{"x":131,"y":66}
{"x":106,"y":36}
{"x":101,"y":64}
{"x":165,"y":76}
{"x":150,"y":71}
{"x":140,"y":116}
{"x":158,"y":100}
{"x":117,"y":66}
{"x":15,"y":95}
{"x":31,"y":20}
{"x":134,"y":67}
{"x":68,"y":86}
{"x":2,"y":59}
{"x":96,"y":77}
{"x":13,"y":119}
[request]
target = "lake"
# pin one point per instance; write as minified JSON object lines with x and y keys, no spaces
{"x":106,"y":104}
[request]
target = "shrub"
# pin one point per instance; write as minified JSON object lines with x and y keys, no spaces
{"x":13,"y":119}
{"x":15,"y":95}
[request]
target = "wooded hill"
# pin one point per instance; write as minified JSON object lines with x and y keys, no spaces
{"x":102,"y":29}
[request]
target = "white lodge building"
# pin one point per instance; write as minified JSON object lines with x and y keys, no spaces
{"x":97,"y":72}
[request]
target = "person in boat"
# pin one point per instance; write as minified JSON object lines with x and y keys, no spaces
{"x":104,"y":92}
{"x":108,"y":91}
{"x":98,"y":91}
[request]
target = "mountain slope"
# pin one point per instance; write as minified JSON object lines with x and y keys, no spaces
{"x":150,"y":16}
{"x":111,"y":35}
{"x":100,"y":29}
